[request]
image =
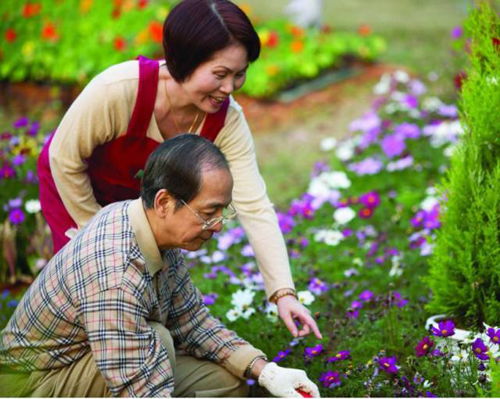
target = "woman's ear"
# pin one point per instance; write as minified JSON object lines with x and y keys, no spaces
{"x":164,"y":203}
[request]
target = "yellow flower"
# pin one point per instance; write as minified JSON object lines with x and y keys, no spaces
{"x":28,"y":49}
{"x":272,"y":69}
{"x":85,"y":6}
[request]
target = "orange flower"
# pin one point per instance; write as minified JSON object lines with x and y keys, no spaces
{"x":31,"y":9}
{"x":364,"y":30}
{"x":119,"y":43}
{"x":49,"y":32}
{"x":296,"y":31}
{"x":85,"y":6}
{"x":156,"y":31}
{"x":297,"y":46}
{"x":272,"y":40}
{"x":10,"y":35}
{"x":272,"y":70}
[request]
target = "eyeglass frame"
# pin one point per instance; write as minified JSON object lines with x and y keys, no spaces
{"x":208,"y":224}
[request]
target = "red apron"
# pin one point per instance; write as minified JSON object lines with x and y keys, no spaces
{"x":113,"y":167}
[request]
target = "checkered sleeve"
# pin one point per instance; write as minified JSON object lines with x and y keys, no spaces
{"x":127,"y":351}
{"x":201,"y":335}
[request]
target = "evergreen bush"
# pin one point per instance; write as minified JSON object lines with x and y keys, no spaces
{"x":464,"y":271}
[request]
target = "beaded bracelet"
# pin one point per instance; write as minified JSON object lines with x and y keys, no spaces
{"x":281,"y":293}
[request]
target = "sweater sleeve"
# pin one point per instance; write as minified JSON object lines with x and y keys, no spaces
{"x":255,"y":211}
{"x":98,"y":115}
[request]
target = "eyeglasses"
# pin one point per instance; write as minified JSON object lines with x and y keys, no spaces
{"x":228,"y":213}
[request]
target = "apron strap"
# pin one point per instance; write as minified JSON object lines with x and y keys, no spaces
{"x":146,"y":96}
{"x":215,"y":122}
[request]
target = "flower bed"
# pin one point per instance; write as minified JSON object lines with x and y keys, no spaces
{"x":74,"y":40}
{"x":359,"y":239}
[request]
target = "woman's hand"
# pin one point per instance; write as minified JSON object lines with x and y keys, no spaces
{"x":290,"y":309}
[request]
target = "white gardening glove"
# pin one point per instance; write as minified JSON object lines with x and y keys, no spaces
{"x":283,"y":382}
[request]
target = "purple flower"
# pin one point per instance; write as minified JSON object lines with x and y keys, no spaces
{"x":398,"y":299}
{"x":18,"y":159}
{"x":15,"y":203}
{"x":7,"y":172}
{"x":424,"y":347}
{"x":480,"y":349}
{"x":209,"y":299}
{"x":429,"y":394}
{"x":437,"y":353}
{"x":330,"y":379}
{"x":400,"y":164}
{"x":369,"y":137}
{"x":445,"y":329}
{"x":368,"y":121}
{"x":392,"y":145}
{"x":370,"y":200}
{"x":407,"y":131}
{"x":342,"y":355}
{"x":282,"y":355}
{"x":449,"y":111}
{"x":431,"y":221}
{"x":368,"y":166}
{"x":251,"y":382}
{"x":352,"y":314}
{"x":302,"y":207}
{"x":417,"y":88}
{"x":494,"y":335}
{"x":313,"y":351}
{"x":12,"y":303}
{"x":16,"y":216}
{"x":320,"y":167}
{"x":21,"y":122}
{"x":456,"y":32}
{"x":347,"y":232}
{"x":247,"y":250}
{"x":366,"y":296}
{"x":410,"y":101}
{"x":418,"y":219}
{"x":286,"y":222}
{"x":317,"y":287}
{"x":31,"y":177}
{"x":356,"y":305}
{"x":388,"y":364}
{"x":34,"y":128}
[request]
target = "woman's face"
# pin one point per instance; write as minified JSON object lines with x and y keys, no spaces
{"x":214,"y":80}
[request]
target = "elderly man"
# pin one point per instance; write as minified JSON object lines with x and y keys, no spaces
{"x":115,"y":312}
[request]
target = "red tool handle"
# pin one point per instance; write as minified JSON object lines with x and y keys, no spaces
{"x":304,"y":393}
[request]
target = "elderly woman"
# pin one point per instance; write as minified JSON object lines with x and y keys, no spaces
{"x":97,"y":154}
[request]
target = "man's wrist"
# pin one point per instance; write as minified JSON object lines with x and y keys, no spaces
{"x":257,"y":368}
{"x":249,"y":371}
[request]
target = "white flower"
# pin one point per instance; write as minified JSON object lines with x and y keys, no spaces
{"x":344,"y":215}
{"x":328,"y":144}
{"x":242,"y":298}
{"x":396,"y":269}
{"x":247,"y":313}
{"x":318,"y":188}
{"x":383,"y":86}
{"x":357,"y":262}
{"x":305,"y":297}
{"x":271,"y":312}
{"x":330,"y":237}
{"x":322,"y":185}
{"x":32,"y":206}
{"x":401,"y":76}
{"x":233,"y":314}
{"x":461,"y":356}
{"x":218,"y":256}
{"x":337,"y":179}
{"x":448,"y":151}
{"x":344,"y":152}
{"x":429,"y":203}
{"x":432,"y":104}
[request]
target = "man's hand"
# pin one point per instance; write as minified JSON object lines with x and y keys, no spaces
{"x":284,"y":382}
{"x":289,"y":308}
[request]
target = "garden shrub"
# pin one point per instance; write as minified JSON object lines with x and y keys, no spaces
{"x":73,"y":40}
{"x":464,"y":275}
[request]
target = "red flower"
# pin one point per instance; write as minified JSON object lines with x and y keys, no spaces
{"x":296,"y":31}
{"x":273,"y":39}
{"x":31,"y":9}
{"x":49,"y":32}
{"x":10,"y":35}
{"x":459,"y":80}
{"x":119,"y":43}
{"x":142,"y":3}
{"x":364,"y":30}
{"x":365,"y":213}
{"x":496,"y":42}
{"x":156,"y":31}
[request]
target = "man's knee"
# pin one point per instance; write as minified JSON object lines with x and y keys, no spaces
{"x":233,"y":386}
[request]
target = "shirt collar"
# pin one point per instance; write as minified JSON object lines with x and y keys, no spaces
{"x":144,"y":236}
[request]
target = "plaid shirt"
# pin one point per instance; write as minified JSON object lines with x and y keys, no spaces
{"x":98,"y":294}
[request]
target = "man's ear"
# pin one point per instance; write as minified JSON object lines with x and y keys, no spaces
{"x":164,"y":202}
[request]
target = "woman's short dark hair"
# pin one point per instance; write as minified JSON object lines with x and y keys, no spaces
{"x":177,"y":165}
{"x":195,"y":29}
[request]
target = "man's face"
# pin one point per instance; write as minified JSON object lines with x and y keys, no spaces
{"x":183,"y":228}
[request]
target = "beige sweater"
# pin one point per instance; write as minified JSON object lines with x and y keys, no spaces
{"x":101,"y":113}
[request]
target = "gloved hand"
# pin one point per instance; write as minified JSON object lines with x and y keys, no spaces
{"x":283,"y":382}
